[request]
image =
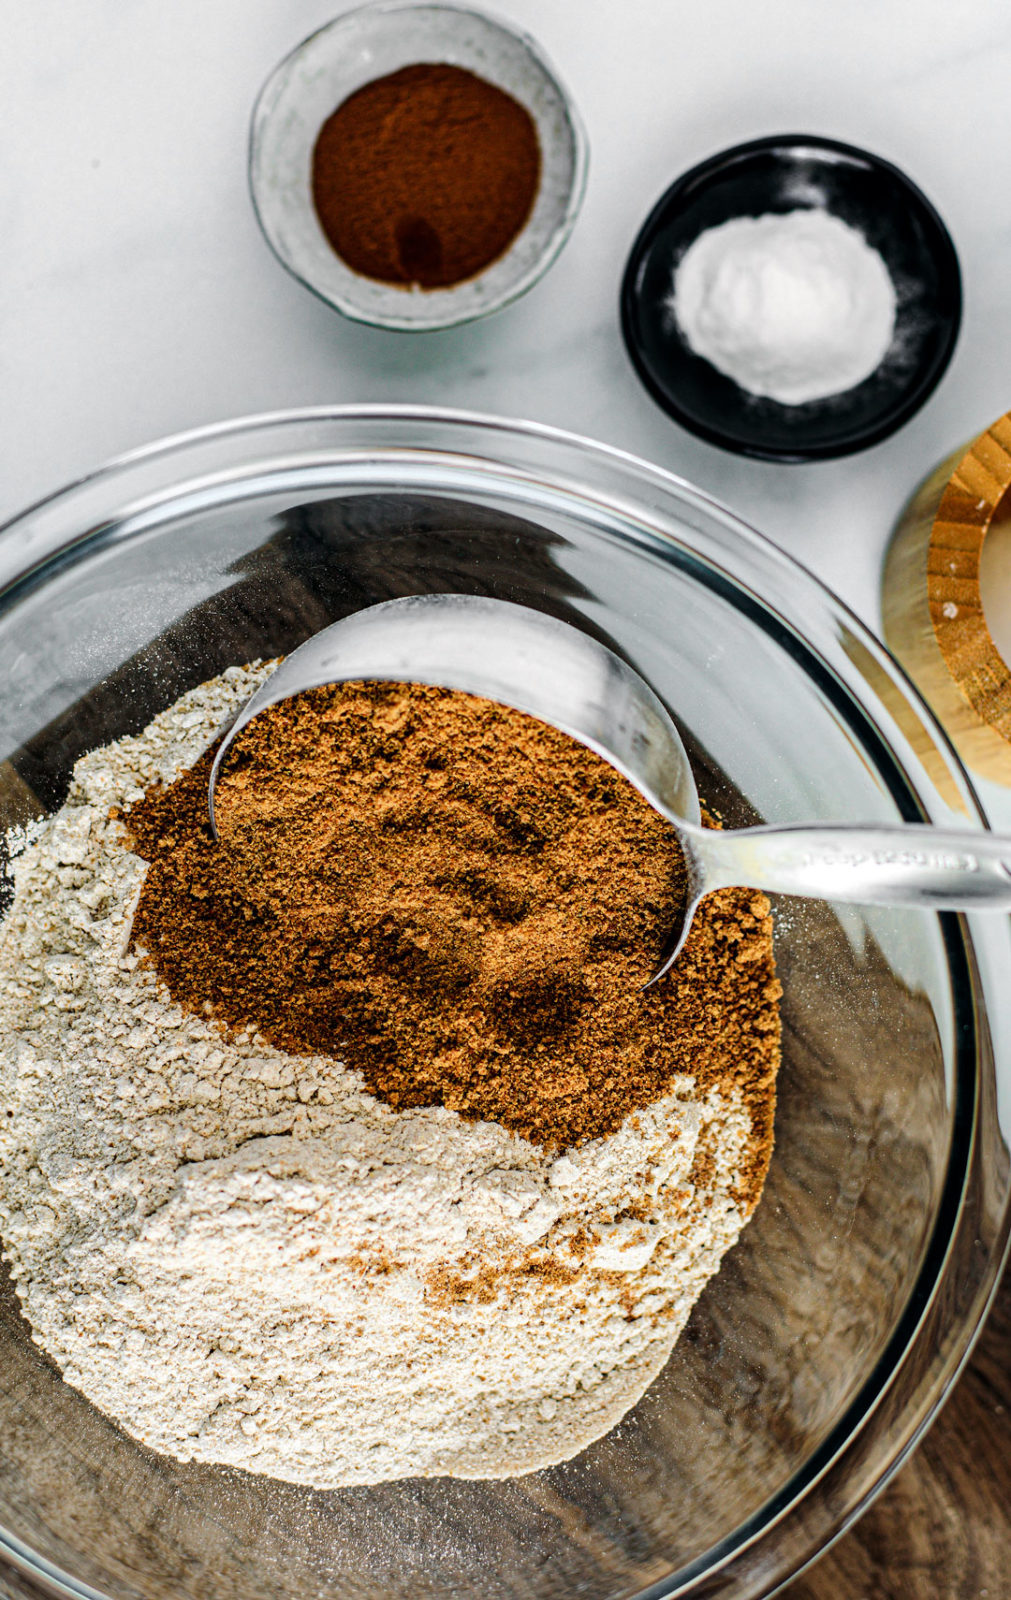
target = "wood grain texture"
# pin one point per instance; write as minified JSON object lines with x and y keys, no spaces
{"x":942,"y":1529}
{"x":933,"y":612}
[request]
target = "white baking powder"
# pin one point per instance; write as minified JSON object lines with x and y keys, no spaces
{"x":795,"y":307}
{"x":245,"y":1258}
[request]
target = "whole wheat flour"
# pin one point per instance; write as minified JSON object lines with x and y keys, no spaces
{"x":245,"y":1258}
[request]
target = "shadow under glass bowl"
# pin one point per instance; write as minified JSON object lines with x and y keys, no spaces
{"x":783,"y":173}
{"x":828,"y":1339}
{"x":369,"y":43}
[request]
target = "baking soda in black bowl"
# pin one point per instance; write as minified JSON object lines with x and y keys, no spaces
{"x":792,"y":299}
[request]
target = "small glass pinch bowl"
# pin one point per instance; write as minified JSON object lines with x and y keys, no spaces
{"x":371,"y":42}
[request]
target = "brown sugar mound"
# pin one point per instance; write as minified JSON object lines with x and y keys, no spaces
{"x":462,"y":904}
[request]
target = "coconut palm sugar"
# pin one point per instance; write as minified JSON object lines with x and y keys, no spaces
{"x":425,"y":176}
{"x":459,"y":902}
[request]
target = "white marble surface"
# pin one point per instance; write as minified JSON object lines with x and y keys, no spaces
{"x":137,"y":297}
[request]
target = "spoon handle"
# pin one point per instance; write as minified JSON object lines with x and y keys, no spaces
{"x":913,"y":865}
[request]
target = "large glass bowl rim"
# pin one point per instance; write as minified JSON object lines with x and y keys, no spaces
{"x":28,"y":554}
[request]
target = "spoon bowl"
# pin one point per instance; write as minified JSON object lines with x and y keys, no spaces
{"x":553,"y":671}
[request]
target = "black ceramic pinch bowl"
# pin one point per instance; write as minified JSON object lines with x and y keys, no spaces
{"x":784,"y":173}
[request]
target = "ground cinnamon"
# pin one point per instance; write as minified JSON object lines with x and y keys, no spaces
{"x":425,"y":176}
{"x":460,"y":902}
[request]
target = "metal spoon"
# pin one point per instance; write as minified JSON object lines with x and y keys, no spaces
{"x":534,"y":663}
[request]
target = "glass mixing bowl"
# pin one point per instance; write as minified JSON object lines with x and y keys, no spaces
{"x":820,"y":1351}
